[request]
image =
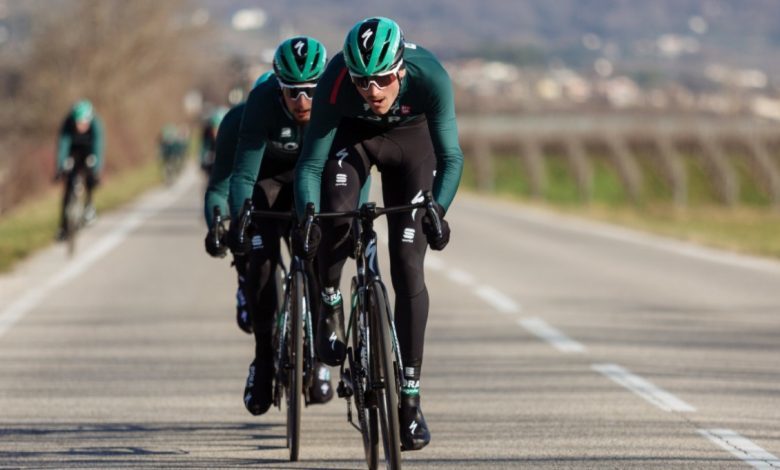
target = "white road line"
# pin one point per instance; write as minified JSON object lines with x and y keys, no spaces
{"x":742,"y":448}
{"x":434,"y":262}
{"x":30,"y":299}
{"x":461,"y":277}
{"x":655,"y":395}
{"x":551,"y":334}
{"x":496,"y":299}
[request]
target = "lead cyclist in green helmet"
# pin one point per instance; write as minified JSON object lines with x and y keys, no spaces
{"x":268,"y":143}
{"x":386,"y":103}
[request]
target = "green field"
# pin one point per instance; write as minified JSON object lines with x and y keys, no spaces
{"x":751,"y":226}
{"x":33,"y":225}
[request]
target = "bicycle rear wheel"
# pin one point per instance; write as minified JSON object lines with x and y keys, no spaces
{"x":366,"y":412}
{"x":295,"y":370}
{"x":385,"y":373}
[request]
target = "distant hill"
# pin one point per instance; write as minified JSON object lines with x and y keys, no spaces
{"x":738,"y":32}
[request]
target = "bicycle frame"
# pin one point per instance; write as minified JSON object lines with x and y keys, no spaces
{"x":372,"y":356}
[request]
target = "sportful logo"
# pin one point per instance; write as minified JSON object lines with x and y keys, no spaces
{"x":299,"y":48}
{"x":366,"y":35}
{"x":341,"y":179}
{"x":342,"y":154}
{"x":408,"y":235}
{"x":257,"y":242}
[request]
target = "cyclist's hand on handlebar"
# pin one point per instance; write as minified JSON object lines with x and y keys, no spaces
{"x":300,"y":247}
{"x":216,"y":244}
{"x":435,"y":241}
{"x":239,"y":244}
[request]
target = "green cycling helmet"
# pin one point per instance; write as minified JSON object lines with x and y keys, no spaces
{"x":373,"y":46}
{"x":262,"y":78}
{"x":300,"y":60}
{"x":82,"y":111}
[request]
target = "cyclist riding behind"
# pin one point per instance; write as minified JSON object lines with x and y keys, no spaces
{"x":275,"y":118}
{"x":208,"y":143}
{"x":80,"y":148}
{"x":172,"y":148}
{"x":388,"y":103}
{"x":217,"y":195}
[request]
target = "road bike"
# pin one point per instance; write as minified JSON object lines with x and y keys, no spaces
{"x":75,"y":172}
{"x":372,"y":373}
{"x":292,"y":336}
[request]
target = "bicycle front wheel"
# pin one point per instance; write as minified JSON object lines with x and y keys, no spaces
{"x":364,"y":402}
{"x":385,"y":374}
{"x":295,"y":370}
{"x":74,"y":210}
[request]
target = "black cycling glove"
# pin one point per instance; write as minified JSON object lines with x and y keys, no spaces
{"x":237,"y":245}
{"x":216,"y":247}
{"x":435,"y":241}
{"x":299,"y":248}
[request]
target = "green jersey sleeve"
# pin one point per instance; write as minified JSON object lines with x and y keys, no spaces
{"x":252,"y":137}
{"x":219,"y":178}
{"x":443,"y":128}
{"x":98,"y":142}
{"x":325,"y":118}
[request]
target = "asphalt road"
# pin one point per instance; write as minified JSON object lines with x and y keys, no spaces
{"x":551,"y":343}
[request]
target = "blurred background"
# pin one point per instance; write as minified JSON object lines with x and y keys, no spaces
{"x":662,"y":115}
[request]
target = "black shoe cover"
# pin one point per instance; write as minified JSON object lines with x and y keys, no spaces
{"x":330,"y":341}
{"x":414,"y":430}
{"x":321,"y":390}
{"x":258,"y":393}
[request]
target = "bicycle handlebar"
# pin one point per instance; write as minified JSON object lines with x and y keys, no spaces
{"x":368,"y":211}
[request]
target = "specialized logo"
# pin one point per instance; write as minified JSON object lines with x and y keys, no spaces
{"x":366,"y":36}
{"x":418,"y":198}
{"x":299,"y":48}
{"x":332,"y":340}
{"x":342,"y":154}
{"x":341,"y":179}
{"x":286,"y":133}
{"x":413,"y":427}
{"x":371,"y":256}
{"x":408,"y":236}
{"x":257,"y":242}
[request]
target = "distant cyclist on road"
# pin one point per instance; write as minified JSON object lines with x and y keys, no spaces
{"x":388,"y":103}
{"x":173,"y":149}
{"x":208,"y":143}
{"x":274,"y":120}
{"x":80,"y":147}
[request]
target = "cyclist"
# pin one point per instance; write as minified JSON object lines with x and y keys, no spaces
{"x":209,"y":138}
{"x":388,"y":103}
{"x":275,"y":117}
{"x":173,"y":146}
{"x":217,"y":194}
{"x":80,"y":146}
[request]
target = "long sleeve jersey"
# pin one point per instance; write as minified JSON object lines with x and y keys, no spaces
{"x":425,"y":90}
{"x":71,"y":142}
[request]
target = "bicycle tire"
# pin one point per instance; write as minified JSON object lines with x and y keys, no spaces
{"x":385,"y":371}
{"x":74,"y":211}
{"x":367,"y":415}
{"x":295,"y":371}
